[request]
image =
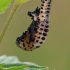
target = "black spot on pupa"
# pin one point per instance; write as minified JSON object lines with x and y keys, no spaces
{"x":35,"y":36}
{"x":24,"y":33}
{"x":47,"y":15}
{"x":42,"y":24}
{"x":36,"y":31}
{"x":43,"y":38}
{"x":41,"y":42}
{"x":38,"y":19}
{"x":40,"y":33}
{"x":47,"y":26}
{"x":23,"y":45}
{"x":43,"y":1}
{"x":41,"y":28}
{"x":24,"y":48}
{"x":48,"y":5}
{"x":42,"y":5}
{"x":47,"y":12}
{"x":46,"y":30}
{"x":42,"y":16}
{"x":44,"y":34}
{"x":47,"y":21}
{"x":32,"y":45}
{"x":41,"y":11}
{"x":37,"y":40}
{"x":37,"y":46}
{"x":48,"y":8}
{"x":49,"y":2}
{"x":44,"y":19}
{"x":38,"y":37}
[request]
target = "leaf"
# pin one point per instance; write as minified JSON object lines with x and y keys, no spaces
{"x":1,"y":65}
{"x":15,"y":68}
{"x":12,"y":63}
{"x":4,"y":4}
{"x":20,"y":2}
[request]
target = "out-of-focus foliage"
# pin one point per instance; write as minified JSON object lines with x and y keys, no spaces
{"x":4,"y":4}
{"x":12,"y":63}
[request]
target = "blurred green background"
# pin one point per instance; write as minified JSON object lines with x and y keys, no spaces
{"x":55,"y":52}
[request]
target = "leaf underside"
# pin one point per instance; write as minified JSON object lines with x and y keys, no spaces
{"x":12,"y":63}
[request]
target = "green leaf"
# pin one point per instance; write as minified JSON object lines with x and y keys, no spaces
{"x":20,"y":2}
{"x":12,"y":63}
{"x":4,"y":4}
{"x":15,"y":68}
{"x":1,"y":65}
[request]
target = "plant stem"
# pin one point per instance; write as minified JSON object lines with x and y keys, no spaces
{"x":8,"y":21}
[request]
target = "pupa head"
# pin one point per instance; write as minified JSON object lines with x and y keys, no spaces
{"x":34,"y":14}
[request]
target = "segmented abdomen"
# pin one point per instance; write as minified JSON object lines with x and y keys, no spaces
{"x":36,"y":33}
{"x":33,"y":38}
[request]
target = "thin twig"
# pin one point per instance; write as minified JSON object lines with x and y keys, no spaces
{"x":8,"y":21}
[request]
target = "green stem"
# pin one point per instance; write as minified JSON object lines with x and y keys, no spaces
{"x":8,"y":21}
